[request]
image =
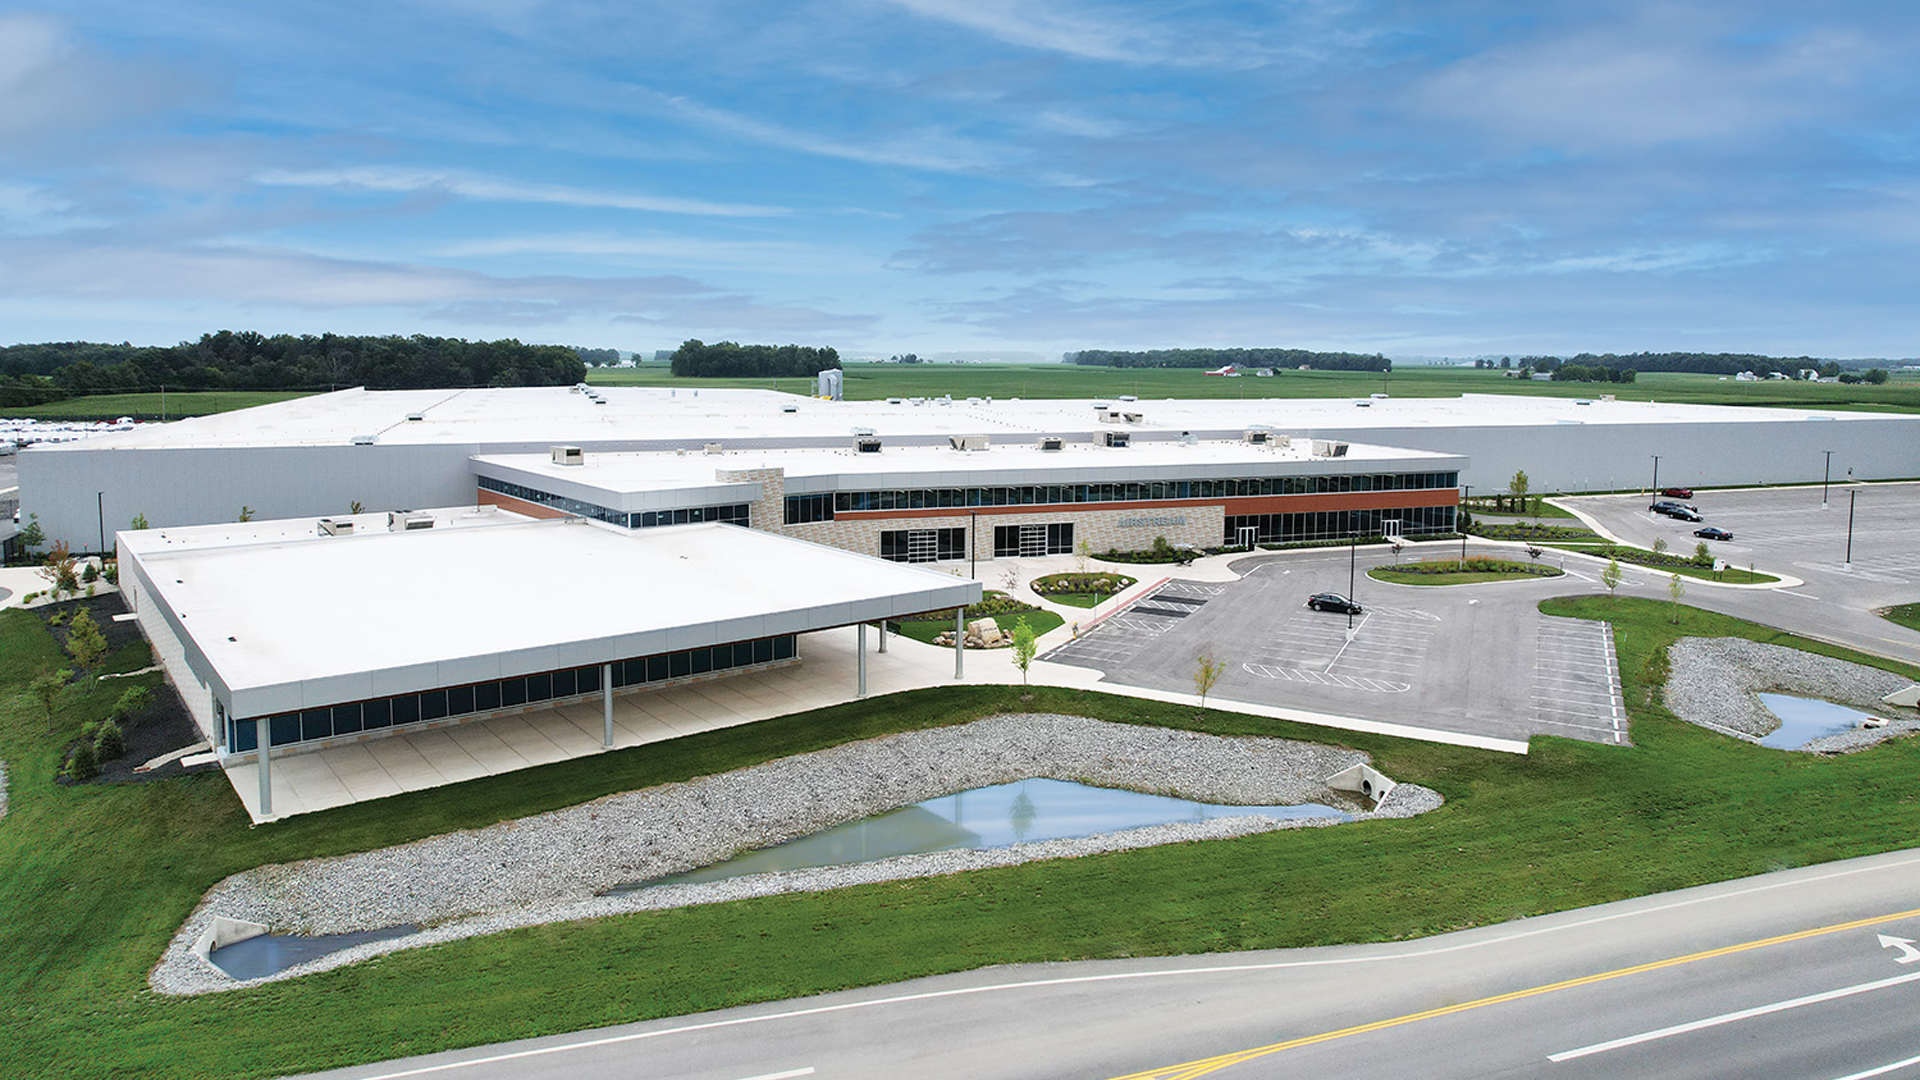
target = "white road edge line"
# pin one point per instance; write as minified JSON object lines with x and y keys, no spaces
{"x":1881,"y":1071}
{"x":1733,"y":1017}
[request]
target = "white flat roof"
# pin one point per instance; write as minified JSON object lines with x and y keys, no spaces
{"x":530,"y":418}
{"x":295,"y":621}
{"x":622,"y":478}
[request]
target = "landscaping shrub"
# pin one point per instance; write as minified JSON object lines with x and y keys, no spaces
{"x":1478,"y":564}
{"x":108,"y":742}
{"x":993,"y":603}
{"x":132,"y":703}
{"x":91,"y":574}
{"x":1066,"y":584}
{"x":84,"y":764}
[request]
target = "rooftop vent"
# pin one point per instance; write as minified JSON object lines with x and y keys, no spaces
{"x":1133,"y":417}
{"x":864,"y":432}
{"x":1114,"y":438}
{"x":789,"y":408}
{"x":567,"y":455}
{"x":1188,"y":438}
{"x":866,"y":446}
{"x":408,"y":520}
{"x":1329,"y":448}
{"x":336,"y":527}
{"x":967,"y":442}
{"x":1258,"y":436}
{"x":362,"y":440}
{"x":713,"y":448}
{"x":416,"y":416}
{"x":1128,"y":397}
{"x":1052,"y":442}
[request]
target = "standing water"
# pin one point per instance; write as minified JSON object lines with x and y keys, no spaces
{"x":1805,"y":719}
{"x":990,"y":817}
{"x":257,"y":957}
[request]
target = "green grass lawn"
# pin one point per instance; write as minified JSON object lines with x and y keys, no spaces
{"x":1732,"y":575}
{"x":177,"y":404}
{"x":1450,"y":572}
{"x":97,"y":879}
{"x":926,"y":630}
{"x":867,"y":382}
{"x":1907,"y":615}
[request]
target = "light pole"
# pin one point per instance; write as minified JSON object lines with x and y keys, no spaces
{"x":1656,"y":475}
{"x":973,"y":544}
{"x":1462,"y":525}
{"x":1825,"y":478}
{"x":1850,"y":494}
{"x":1353,"y":558}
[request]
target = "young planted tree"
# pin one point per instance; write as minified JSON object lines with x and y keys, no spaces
{"x":1025,"y":645}
{"x":46,"y":688}
{"x":58,"y":569}
{"x":1610,"y":577}
{"x":1659,"y":545}
{"x":31,"y":536}
{"x":1517,"y":488}
{"x":246,"y":513}
{"x":85,"y":643}
{"x":1082,"y":554}
{"x":1703,"y":554}
{"x":1206,"y":672}
{"x":1676,"y":588}
{"x":139,"y":523}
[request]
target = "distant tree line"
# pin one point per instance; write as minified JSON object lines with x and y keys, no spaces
{"x":727,"y":359}
{"x":1213,"y":358}
{"x":245,"y":360}
{"x":598,"y":357}
{"x":1698,"y":363}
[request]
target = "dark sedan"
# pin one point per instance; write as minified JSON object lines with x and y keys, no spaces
{"x":1333,"y":601}
{"x":1712,"y":533}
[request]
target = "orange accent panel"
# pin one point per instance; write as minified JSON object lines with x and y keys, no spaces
{"x":1345,"y":500}
{"x":519,"y":506}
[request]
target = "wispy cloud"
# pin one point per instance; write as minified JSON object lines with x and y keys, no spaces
{"x":928,"y":147}
{"x":491,"y":189}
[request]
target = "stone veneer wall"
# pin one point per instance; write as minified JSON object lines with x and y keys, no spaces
{"x":769,"y":511}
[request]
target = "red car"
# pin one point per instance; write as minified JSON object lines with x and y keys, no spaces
{"x":1677,"y":493}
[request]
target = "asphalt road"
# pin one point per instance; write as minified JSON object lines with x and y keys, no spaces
{"x":1786,"y":531}
{"x":1784,"y":975}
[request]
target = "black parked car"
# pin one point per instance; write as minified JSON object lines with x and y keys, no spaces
{"x":1712,"y":533}
{"x":1333,"y":601}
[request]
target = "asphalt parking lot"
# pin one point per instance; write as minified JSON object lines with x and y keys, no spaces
{"x":1474,"y":659}
{"x":1788,"y":531}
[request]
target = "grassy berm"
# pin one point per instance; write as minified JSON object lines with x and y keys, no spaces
{"x":94,"y":879}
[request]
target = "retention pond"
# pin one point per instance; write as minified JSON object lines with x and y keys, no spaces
{"x":258,"y":957}
{"x":1805,"y":719}
{"x":1002,"y":815}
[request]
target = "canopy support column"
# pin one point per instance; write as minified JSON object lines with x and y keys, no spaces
{"x":862,"y":650}
{"x":261,"y":735}
{"x":960,"y":642}
{"x":606,"y":704}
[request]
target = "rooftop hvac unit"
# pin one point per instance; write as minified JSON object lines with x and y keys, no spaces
{"x":1114,"y":438}
{"x":567,"y":455}
{"x":1258,"y":436}
{"x":713,"y":448}
{"x":967,"y":442}
{"x":1133,"y":417}
{"x":865,"y":432}
{"x":416,"y":416}
{"x":1188,"y":438}
{"x":362,"y":440}
{"x":866,"y":446}
{"x":1282,"y":441}
{"x":336,"y":527}
{"x":1329,"y":448}
{"x":408,"y":520}
{"x":1128,"y":397}
{"x":1052,"y":442}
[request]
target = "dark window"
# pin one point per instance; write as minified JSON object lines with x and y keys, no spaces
{"x":680,"y":665}
{"x":563,"y":683}
{"x":513,"y":692}
{"x":406,"y":709}
{"x":486,"y":696}
{"x":244,"y":737}
{"x":763,"y":651}
{"x":378,"y":714}
{"x":586,"y":680}
{"x":460,"y":701}
{"x":539,"y":687}
{"x":783,"y":647}
{"x":433,"y":705}
{"x":284,"y":729}
{"x":703,"y":661}
{"x":742,"y":653}
{"x":316,"y":724}
{"x":657,"y":668}
{"x":346,"y":719}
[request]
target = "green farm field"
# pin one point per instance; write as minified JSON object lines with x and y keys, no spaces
{"x":98,"y":877}
{"x":869,"y":382}
{"x":177,"y":405}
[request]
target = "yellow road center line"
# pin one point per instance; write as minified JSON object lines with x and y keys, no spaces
{"x":1204,"y":1066}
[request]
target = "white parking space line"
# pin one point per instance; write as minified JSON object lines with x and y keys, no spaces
{"x":1575,"y":681}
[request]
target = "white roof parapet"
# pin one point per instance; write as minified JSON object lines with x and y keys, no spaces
{"x":299,"y":620}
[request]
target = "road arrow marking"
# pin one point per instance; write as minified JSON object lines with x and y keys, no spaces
{"x":1908,"y":954}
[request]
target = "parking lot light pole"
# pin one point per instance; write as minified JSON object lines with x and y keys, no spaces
{"x":1850,"y":494}
{"x":1826,"y":478}
{"x":1656,"y":475}
{"x":1353,"y":558}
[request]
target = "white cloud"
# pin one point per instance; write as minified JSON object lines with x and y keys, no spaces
{"x":489,"y":189}
{"x":935,"y":151}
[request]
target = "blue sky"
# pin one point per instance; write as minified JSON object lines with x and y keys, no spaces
{"x":969,"y":177}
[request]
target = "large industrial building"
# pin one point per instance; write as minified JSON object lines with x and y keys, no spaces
{"x":850,"y":473}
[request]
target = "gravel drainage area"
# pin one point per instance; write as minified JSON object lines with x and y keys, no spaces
{"x":552,"y":867}
{"x":1715,"y":683}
